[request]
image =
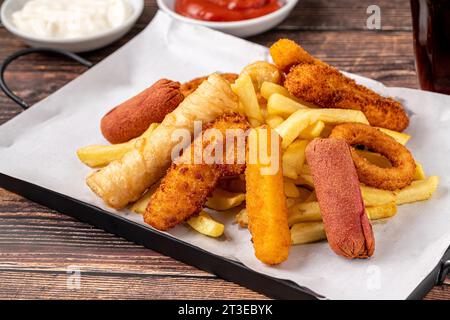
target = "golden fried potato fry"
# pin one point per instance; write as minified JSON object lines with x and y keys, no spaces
{"x":140,"y":205}
{"x":305,"y":180}
{"x":400,"y":137}
{"x":312,"y":131}
{"x":420,"y":173}
{"x":224,"y":200}
{"x":290,"y":129}
{"x":269,"y":88}
{"x":100,"y":155}
{"x":307,"y":232}
{"x":381,"y":212}
{"x":274,"y":121}
{"x":312,"y":197}
{"x":205,"y":224}
{"x":244,"y":89}
{"x":294,"y":158}
{"x":290,"y":189}
{"x":233,"y":184}
{"x":376,"y":197}
{"x":304,"y":212}
{"x":262,"y":71}
{"x":266,"y":206}
{"x":375,"y":158}
{"x":305,"y":170}
{"x":279,"y":105}
{"x":242,"y":218}
{"x":419,"y":190}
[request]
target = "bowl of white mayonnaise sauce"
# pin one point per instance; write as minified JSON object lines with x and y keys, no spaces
{"x":74,"y":25}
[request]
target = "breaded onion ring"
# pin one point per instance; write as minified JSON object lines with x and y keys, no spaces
{"x":403,"y":166}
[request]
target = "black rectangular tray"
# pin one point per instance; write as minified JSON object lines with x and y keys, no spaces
{"x":182,"y":251}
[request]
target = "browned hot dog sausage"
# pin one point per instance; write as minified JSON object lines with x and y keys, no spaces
{"x":347,"y":227}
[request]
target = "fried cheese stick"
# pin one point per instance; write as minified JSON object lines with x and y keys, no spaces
{"x":125,"y":180}
{"x":316,"y":82}
{"x":183,"y":191}
{"x":266,"y":207}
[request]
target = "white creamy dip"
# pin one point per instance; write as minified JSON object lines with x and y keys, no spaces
{"x":68,"y":19}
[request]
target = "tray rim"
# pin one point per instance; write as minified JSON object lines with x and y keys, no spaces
{"x":165,"y":244}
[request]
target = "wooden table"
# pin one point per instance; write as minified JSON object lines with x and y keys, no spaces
{"x":38,"y":245}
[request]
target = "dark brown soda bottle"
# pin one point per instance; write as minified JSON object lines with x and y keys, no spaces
{"x":431,"y":27}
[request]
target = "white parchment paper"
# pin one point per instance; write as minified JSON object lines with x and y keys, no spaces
{"x":39,"y":146}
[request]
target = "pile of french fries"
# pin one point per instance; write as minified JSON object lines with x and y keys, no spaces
{"x":265,"y":102}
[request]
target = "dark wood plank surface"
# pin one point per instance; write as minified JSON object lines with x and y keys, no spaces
{"x":38,"y":245}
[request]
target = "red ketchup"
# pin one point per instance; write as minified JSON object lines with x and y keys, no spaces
{"x":226,"y":10}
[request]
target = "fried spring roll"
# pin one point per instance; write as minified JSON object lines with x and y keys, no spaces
{"x":125,"y":180}
{"x":347,"y":227}
{"x":184,"y":190}
{"x":266,"y":206}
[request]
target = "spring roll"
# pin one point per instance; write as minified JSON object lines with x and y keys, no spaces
{"x":125,"y":180}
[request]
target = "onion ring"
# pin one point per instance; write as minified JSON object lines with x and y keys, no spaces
{"x":403,"y":165}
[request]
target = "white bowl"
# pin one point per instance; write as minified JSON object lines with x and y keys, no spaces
{"x":81,"y":44}
{"x":244,"y":28}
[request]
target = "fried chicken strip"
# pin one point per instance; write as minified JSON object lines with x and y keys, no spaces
{"x":125,"y":180}
{"x":183,"y":191}
{"x":316,"y":82}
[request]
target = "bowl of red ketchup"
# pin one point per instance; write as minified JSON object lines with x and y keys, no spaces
{"x":242,"y":18}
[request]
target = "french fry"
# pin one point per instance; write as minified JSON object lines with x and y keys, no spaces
{"x":279,"y":105}
{"x":262,"y":72}
{"x":375,"y":158}
{"x":266,"y":205}
{"x":141,"y":205}
{"x":376,"y":197}
{"x":205,"y":224}
{"x":312,"y":197}
{"x":304,"y":179}
{"x":294,"y":158}
{"x":304,"y":194}
{"x":290,"y":129}
{"x":244,"y":89}
{"x":242,"y":218}
{"x":305,"y":170}
{"x":381,"y":212}
{"x":235,"y":184}
{"x":312,"y":131}
{"x":269,"y":88}
{"x":310,"y":211}
{"x":400,"y":137}
{"x":420,"y":173}
{"x":96,"y":156}
{"x":224,"y":200}
{"x":290,"y":189}
{"x":274,"y":121}
{"x":304,"y":212}
{"x":307,"y":232}
{"x":419,"y":190}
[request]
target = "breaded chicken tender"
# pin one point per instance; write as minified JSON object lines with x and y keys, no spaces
{"x":316,"y":82}
{"x":183,"y":191}
{"x":286,"y":53}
